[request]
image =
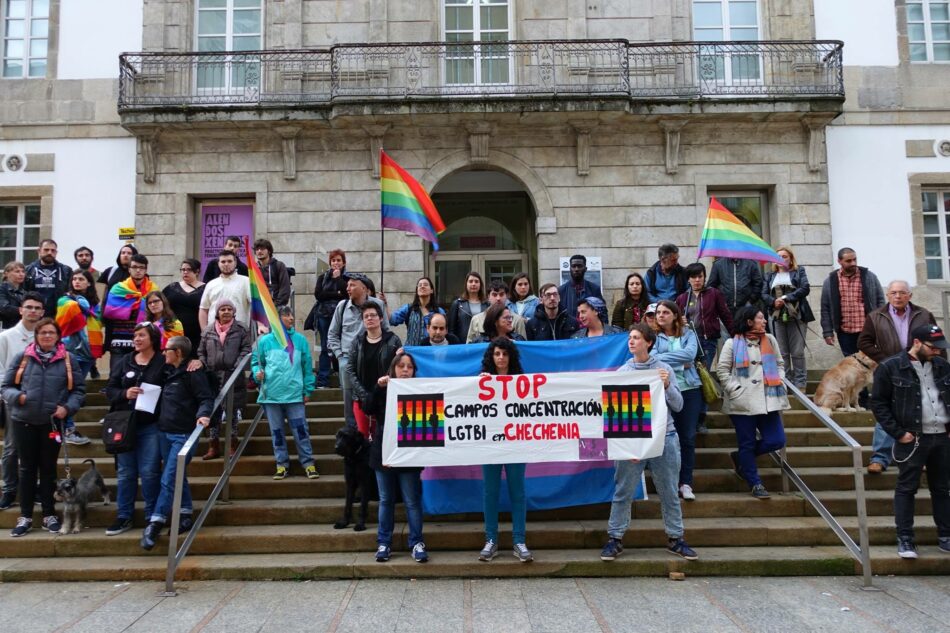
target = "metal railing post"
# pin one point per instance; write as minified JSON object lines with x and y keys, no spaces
{"x":226,"y":453}
{"x":861,"y":500}
{"x":176,"y":516}
{"x":784,"y":453}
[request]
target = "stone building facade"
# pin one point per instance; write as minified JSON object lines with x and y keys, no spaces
{"x":606,"y":133}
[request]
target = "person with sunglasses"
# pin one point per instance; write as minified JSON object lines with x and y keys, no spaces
{"x":186,"y":402}
{"x":184,"y":299}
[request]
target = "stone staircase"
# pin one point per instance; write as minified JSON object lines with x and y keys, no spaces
{"x":283,"y":529}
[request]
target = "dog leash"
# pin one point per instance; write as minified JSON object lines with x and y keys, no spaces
{"x":60,"y":436}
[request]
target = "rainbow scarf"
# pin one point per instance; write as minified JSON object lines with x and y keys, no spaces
{"x":169,"y":330}
{"x":724,"y":235}
{"x":773,"y":381}
{"x":405,"y":204}
{"x":263,"y":309}
{"x":73,"y":315}
{"x":124,"y":300}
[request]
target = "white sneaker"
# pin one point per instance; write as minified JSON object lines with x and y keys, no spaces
{"x":686,"y":491}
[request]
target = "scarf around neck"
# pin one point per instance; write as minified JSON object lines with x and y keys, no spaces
{"x":773,"y":381}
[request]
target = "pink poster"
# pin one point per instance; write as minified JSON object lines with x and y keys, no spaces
{"x":218,"y":221}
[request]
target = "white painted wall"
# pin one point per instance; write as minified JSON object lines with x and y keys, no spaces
{"x":93,"y":191}
{"x":870,"y":195}
{"x":93,"y":33}
{"x":867,"y":27}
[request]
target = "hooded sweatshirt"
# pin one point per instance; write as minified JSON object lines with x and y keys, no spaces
{"x":674,"y":398}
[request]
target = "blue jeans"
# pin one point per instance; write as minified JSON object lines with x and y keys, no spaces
{"x":848,"y":342}
{"x":882,"y":443}
{"x":709,"y":346}
{"x":410,"y":484}
{"x":685,"y":421}
{"x":170,"y":444}
{"x":491,"y":473}
{"x":665,"y":469}
{"x":296,"y":416}
{"x":325,"y":365}
{"x":772,"y":439}
{"x":143,"y":462}
{"x":84,"y":366}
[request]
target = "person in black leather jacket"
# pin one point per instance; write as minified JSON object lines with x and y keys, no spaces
{"x":370,"y":356}
{"x":911,"y":402}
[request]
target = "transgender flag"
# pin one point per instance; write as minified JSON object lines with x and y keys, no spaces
{"x":405,"y":204}
{"x":457,"y":489}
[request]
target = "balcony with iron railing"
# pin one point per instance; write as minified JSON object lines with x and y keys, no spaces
{"x":484,"y":72}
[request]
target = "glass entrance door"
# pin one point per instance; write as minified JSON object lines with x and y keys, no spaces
{"x":451,"y":270}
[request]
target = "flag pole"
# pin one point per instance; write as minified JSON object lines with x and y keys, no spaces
{"x":382,"y":254}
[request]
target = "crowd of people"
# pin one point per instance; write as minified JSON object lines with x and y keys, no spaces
{"x":744,"y":327}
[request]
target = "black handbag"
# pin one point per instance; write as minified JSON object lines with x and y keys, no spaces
{"x":119,"y":432}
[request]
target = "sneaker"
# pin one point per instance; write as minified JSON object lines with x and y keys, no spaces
{"x":943,"y":544}
{"x":281,"y":473}
{"x":906,"y":548}
{"x":185,"y":523}
{"x":612,"y":549}
{"x":121,"y":525}
{"x":686,"y":491}
{"x":382,"y":553}
{"x":702,"y":429}
{"x":488,"y":552}
{"x":734,"y":456}
{"x":680,"y":547}
{"x":419,"y":553}
{"x":150,"y":535}
{"x":311,"y":471}
{"x":75,"y":437}
{"x":52,"y":523}
{"x":759,"y":492}
{"x":23,"y":525}
{"x":7,"y":500}
{"x":522,"y":553}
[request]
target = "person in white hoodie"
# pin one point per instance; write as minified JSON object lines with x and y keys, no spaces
{"x":12,"y":342}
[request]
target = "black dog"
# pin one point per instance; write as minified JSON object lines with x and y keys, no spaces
{"x":354,"y":449}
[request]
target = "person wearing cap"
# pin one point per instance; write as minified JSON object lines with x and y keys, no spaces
{"x":345,"y":326}
{"x":649,"y":317}
{"x":592,"y":316}
{"x":909,"y":400}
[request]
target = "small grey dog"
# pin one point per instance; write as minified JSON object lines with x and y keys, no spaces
{"x":76,"y":495}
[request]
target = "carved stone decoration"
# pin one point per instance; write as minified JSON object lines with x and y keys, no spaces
{"x":671,"y":129}
{"x":288,"y":141}
{"x":479,"y":137}
{"x":148,"y":146}
{"x":376,"y":134}
{"x":14,"y":162}
{"x":815,"y":128}
{"x":943,"y":148}
{"x":582,"y":131}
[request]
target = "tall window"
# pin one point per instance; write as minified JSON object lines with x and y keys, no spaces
{"x":936,"y":208}
{"x":19,"y":231}
{"x":25,"y":38}
{"x":723,"y":21}
{"x":751,"y":207}
{"x":229,"y":25}
{"x":928,"y":30}
{"x":477,"y":21}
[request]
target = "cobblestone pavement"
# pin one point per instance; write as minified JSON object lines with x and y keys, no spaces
{"x":492,"y":606}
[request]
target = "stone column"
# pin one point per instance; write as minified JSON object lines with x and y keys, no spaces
{"x":288,"y":135}
{"x":376,"y":134}
{"x":148,"y":148}
{"x":582,"y":131}
{"x":814,"y":126}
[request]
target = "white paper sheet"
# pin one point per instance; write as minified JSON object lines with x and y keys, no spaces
{"x":148,"y":399}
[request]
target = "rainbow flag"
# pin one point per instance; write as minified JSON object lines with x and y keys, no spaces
{"x":263,"y":309}
{"x":124,"y":300}
{"x":74,"y":314}
{"x":724,"y":235}
{"x":405,"y":204}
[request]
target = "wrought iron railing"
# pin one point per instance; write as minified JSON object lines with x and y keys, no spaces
{"x":483,"y":70}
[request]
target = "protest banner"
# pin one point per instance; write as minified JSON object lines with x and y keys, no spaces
{"x":528,"y":418}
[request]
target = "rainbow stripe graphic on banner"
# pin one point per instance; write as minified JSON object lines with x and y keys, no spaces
{"x":405,"y":204}
{"x":263,"y":309}
{"x":724,"y":235}
{"x":627,"y":411}
{"x":421,"y":420}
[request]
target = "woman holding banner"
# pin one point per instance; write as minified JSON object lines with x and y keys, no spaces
{"x":677,"y":346}
{"x":502,"y":359}
{"x":407,"y":480}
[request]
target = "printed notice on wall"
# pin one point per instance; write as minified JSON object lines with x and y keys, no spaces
{"x":218,"y":221}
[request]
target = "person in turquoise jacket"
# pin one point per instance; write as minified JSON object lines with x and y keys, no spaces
{"x":285,"y":386}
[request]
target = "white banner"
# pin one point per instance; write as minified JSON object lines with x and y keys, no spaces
{"x":524,"y":419}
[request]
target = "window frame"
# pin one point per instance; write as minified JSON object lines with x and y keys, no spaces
{"x":229,"y":86}
{"x":21,"y":248}
{"x":731,"y":60}
{"x":943,"y":231}
{"x":928,"y":41}
{"x":761,"y":194}
{"x":476,"y":30}
{"x":27,"y":39}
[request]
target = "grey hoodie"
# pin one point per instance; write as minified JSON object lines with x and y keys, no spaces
{"x":674,"y":398}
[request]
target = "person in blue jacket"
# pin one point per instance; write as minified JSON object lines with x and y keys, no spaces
{"x":416,"y":315}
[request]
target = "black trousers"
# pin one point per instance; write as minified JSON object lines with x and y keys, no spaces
{"x":934,"y":453}
{"x":38,"y":453}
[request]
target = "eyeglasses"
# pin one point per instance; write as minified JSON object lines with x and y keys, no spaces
{"x":507,"y":318}
{"x":47,"y":334}
{"x":551,"y":295}
{"x":147,"y":324}
{"x":185,"y":270}
{"x":137,"y":267}
{"x":171,"y":349}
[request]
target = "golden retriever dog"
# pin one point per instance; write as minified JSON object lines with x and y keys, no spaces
{"x":839,"y":389}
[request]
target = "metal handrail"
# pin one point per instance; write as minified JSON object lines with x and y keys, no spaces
{"x":861,"y":551}
{"x":175,"y":554}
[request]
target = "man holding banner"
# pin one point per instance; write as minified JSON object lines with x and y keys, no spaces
{"x":665,"y":467}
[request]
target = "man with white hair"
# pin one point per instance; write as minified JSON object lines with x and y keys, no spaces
{"x":885,"y":334}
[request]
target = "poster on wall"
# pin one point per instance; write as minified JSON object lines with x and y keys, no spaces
{"x":593,"y":273}
{"x":528,"y":418}
{"x":218,"y":221}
